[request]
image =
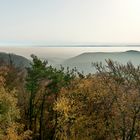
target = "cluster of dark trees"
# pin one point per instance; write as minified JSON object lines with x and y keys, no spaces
{"x":59,"y":104}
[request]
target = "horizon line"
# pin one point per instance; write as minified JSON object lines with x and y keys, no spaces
{"x":74,"y":45}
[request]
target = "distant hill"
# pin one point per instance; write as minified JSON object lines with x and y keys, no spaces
{"x":53,"y":61}
{"x":83,"y":62}
{"x":18,"y":61}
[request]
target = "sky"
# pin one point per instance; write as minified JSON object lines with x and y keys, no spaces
{"x":42,"y":22}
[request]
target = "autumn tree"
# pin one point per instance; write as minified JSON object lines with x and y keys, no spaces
{"x":125,"y":92}
{"x":10,"y":126}
{"x":43,"y":84}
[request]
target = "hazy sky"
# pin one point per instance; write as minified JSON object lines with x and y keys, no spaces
{"x":69,"y":21}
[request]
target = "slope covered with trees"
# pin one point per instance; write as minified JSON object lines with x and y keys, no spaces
{"x":83,"y":61}
{"x":44,"y":103}
{"x":17,"y":60}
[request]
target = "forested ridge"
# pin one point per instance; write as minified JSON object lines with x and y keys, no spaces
{"x":44,"y":103}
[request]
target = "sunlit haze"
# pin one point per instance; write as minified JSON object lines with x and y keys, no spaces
{"x":30,"y":22}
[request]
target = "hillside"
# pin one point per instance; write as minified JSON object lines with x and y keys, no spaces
{"x":18,"y":61}
{"x":83,"y":62}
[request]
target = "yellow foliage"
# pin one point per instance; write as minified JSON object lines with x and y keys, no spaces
{"x":10,"y":129}
{"x":96,"y":108}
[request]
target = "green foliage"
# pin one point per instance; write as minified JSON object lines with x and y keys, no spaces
{"x":43,"y":84}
